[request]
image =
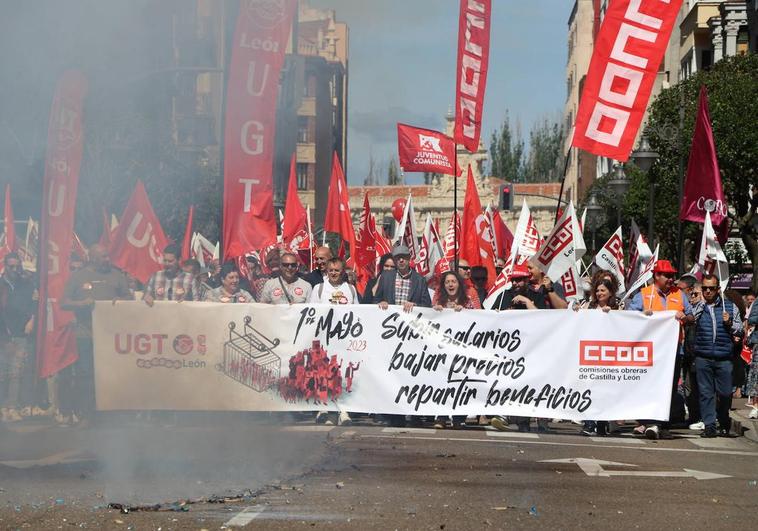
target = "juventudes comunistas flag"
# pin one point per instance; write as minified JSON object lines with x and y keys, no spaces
{"x":471,"y":71}
{"x":56,"y":339}
{"x":406,"y":232}
{"x":624,"y":66}
{"x":712,"y":259}
{"x":646,"y":274}
{"x":425,"y":150}
{"x":476,"y":245}
{"x":138,"y":242}
{"x":365,"y":246}
{"x":703,"y":192}
{"x":257,"y":55}
{"x":430,"y":252}
{"x":295,"y":228}
{"x":338,"y":206}
{"x":563,"y":247}
{"x":611,"y":258}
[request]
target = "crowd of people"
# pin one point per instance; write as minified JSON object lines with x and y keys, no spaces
{"x":715,"y":327}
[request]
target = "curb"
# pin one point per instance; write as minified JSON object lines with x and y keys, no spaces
{"x":744,"y":426}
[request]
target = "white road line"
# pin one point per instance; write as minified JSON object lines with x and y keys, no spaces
{"x":247,"y":515}
{"x":306,"y":428}
{"x":649,"y":448}
{"x":427,"y":431}
{"x":613,"y":440}
{"x":512,"y":434}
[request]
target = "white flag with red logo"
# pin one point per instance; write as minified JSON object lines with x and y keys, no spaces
{"x":203,"y":250}
{"x":639,"y":254}
{"x":451,"y":252}
{"x":563,"y":247}
{"x":431,"y":250}
{"x":712,"y":259}
{"x":406,"y":234}
{"x":646,"y":274}
{"x":611,"y":258}
{"x":138,"y":242}
{"x":571,"y":281}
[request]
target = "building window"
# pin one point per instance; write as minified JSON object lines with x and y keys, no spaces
{"x":309,"y":87}
{"x":302,"y":176}
{"x":303,"y":136}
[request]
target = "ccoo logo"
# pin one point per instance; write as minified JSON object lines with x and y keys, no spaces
{"x":616,"y":353}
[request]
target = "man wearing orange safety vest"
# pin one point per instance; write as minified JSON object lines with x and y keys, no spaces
{"x":662,"y":295}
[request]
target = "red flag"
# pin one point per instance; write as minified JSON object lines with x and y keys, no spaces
{"x":476,"y":248}
{"x":10,"y":229}
{"x":338,"y":207}
{"x":473,"y":58}
{"x":138,"y":241}
{"x":365,"y":252}
{"x":503,"y":235}
{"x":382,"y":243}
{"x":702,"y":188}
{"x":260,"y":40}
{"x":425,"y":150}
{"x":451,"y":252}
{"x":622,"y":71}
{"x":295,"y":229}
{"x":56,"y":340}
{"x":105,"y":236}
{"x":187,"y":241}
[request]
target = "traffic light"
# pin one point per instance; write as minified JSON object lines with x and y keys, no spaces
{"x":506,"y":196}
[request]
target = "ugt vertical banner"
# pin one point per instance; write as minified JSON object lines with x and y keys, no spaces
{"x":56,"y":340}
{"x":473,"y":58}
{"x":628,"y":51}
{"x":260,"y":40}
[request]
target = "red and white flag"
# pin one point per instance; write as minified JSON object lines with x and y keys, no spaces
{"x":203,"y":250}
{"x":703,"y":192}
{"x":260,"y":40}
{"x":646,"y":274}
{"x":295,"y":228}
{"x":430,"y":253}
{"x":563,"y":247}
{"x":382,"y":243}
{"x":476,"y":243}
{"x":471,"y":70}
{"x":639,"y":254}
{"x":138,"y":242}
{"x":503,"y":235}
{"x":451,"y":252}
{"x":624,"y":66}
{"x":29,"y":250}
{"x":712,"y":259}
{"x":571,"y":282}
{"x":56,"y":338}
{"x":611,"y":258}
{"x":406,"y":232}
{"x":425,"y":150}
{"x":338,"y":206}
{"x":365,"y":246}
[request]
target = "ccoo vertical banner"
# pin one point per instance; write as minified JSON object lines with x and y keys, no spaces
{"x":471,"y":78}
{"x":628,"y":51}
{"x":260,"y":40}
{"x":56,"y":340}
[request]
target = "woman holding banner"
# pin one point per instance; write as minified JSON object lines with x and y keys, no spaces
{"x":229,"y":291}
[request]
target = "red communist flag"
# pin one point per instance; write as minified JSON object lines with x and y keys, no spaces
{"x":365,"y":252}
{"x":624,"y":66}
{"x":295,"y":229}
{"x":476,"y":247}
{"x":702,"y":188}
{"x":338,"y":207}
{"x":503,"y":235}
{"x":187,"y":241}
{"x":138,"y":241}
{"x":425,"y":150}
{"x":471,"y":70}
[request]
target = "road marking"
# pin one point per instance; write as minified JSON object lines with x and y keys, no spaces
{"x":613,"y":440}
{"x":308,"y":428}
{"x":247,"y":515}
{"x":512,"y":434}
{"x":594,"y":468}
{"x":61,"y":458}
{"x":648,"y":448}
{"x":409,"y":430}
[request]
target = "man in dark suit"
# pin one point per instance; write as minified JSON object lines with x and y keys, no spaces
{"x":403,"y":286}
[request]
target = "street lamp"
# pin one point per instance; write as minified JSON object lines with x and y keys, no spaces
{"x":595,"y":216}
{"x":618,"y":186}
{"x":644,"y":157}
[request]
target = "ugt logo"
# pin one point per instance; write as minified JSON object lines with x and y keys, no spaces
{"x":429,"y":143}
{"x":616,"y":353}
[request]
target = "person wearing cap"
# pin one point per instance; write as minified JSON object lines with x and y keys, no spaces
{"x":519,"y":296}
{"x":663,"y":295}
{"x":403,"y":286}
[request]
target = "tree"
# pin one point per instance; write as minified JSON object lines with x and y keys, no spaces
{"x":507,"y":152}
{"x":732,"y":85}
{"x":393,"y":174}
{"x":545,"y":151}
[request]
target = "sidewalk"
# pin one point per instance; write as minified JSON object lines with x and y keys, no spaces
{"x":741,"y":424}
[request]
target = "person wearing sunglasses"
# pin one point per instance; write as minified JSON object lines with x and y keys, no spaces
{"x":287,"y":288}
{"x":664,"y":295}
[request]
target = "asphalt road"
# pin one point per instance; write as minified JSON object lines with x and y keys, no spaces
{"x":211,"y":473}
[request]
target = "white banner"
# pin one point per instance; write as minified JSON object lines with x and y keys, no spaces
{"x":252,"y":357}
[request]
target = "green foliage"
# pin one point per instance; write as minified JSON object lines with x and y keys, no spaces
{"x":545,"y":151}
{"x":507,"y":153}
{"x":393,"y":174}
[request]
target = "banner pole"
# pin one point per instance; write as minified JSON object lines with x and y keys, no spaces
{"x":563,"y":183}
{"x":455,"y":210}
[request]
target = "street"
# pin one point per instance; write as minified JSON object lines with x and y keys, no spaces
{"x":200,"y":472}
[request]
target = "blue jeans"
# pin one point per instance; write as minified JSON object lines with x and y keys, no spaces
{"x":714,"y":381}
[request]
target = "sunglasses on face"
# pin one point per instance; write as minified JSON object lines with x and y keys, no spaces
{"x":710,"y":288}
{"x":465,"y":268}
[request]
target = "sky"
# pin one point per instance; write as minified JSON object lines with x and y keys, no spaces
{"x":402,"y":59}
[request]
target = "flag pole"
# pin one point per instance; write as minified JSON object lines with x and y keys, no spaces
{"x":455,"y":209}
{"x":563,"y":182}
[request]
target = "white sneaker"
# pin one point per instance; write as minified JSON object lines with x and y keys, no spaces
{"x":753,"y":413}
{"x":652,"y":432}
{"x":698,"y":426}
{"x":344,"y":419}
{"x":321,"y":417}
